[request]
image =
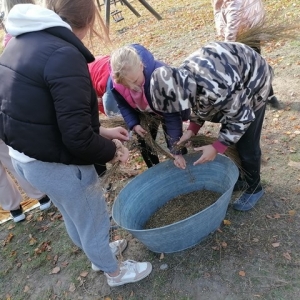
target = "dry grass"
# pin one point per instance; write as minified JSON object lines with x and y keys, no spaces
{"x":182,"y":207}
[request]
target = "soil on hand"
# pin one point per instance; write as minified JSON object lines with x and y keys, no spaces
{"x":182,"y":207}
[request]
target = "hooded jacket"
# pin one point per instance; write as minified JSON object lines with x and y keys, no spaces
{"x":222,"y":82}
{"x":48,"y":105}
{"x":173,"y":122}
{"x":235,"y":16}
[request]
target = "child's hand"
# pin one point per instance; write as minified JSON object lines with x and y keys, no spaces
{"x":186,"y":136}
{"x":209,"y":153}
{"x":179,"y":161}
{"x":122,"y":153}
{"x":118,"y":133}
{"x":140,"y":130}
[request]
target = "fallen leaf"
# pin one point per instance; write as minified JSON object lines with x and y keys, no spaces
{"x":11,"y":226}
{"x":131,"y":294}
{"x":226,"y":222}
{"x":269,"y":217}
{"x":32,"y":241}
{"x":287,"y":256}
{"x":29,"y":217}
{"x":255,"y":240}
{"x":276,"y":216}
{"x":8,"y":239}
{"x":8,"y":297}
{"x":224,"y":244}
{"x":162,"y":256}
{"x":55,"y":270}
{"x":64,"y":263}
{"x":26,"y":289}
{"x":242,"y":273}
{"x":84,"y":274}
{"x":275,"y":245}
{"x":292,"y":212}
{"x":37,"y":251}
{"x":55,"y":259}
{"x":72,"y":287}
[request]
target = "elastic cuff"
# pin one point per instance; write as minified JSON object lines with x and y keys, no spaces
{"x":194,"y":127}
{"x":221,"y":148}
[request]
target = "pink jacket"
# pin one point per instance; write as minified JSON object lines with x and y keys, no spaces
{"x":235,"y":16}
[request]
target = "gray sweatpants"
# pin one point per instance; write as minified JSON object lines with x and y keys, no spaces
{"x":75,"y":191}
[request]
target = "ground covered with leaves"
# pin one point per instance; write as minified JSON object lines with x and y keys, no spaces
{"x":253,"y":255}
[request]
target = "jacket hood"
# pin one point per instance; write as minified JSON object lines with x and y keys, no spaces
{"x":172,"y":89}
{"x":24,"y":18}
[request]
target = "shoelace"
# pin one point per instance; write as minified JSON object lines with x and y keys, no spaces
{"x":129,"y":265}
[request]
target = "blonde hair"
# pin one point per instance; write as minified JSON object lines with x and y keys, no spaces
{"x":7,"y":5}
{"x":79,"y":14}
{"x":123,"y":61}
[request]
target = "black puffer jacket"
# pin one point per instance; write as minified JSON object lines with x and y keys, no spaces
{"x":48,"y":106}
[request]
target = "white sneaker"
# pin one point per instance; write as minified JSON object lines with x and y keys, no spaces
{"x":116,"y":247}
{"x":130,"y":271}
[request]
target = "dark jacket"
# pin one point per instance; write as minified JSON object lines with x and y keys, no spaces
{"x":49,"y":108}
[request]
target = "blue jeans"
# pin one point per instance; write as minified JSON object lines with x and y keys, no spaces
{"x":110,"y":104}
{"x":76,"y":192}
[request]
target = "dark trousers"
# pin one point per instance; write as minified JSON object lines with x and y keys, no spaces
{"x":147,"y":152}
{"x":249,"y":151}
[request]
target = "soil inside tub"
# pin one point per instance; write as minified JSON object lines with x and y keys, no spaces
{"x":182,"y":207}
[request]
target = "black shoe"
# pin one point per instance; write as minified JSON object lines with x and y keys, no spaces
{"x":17,"y":215}
{"x":273,"y":101}
{"x":45,"y":203}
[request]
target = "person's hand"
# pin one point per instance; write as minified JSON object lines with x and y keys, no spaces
{"x":186,"y":136}
{"x":122,"y":153}
{"x":209,"y":153}
{"x":140,"y":130}
{"x":118,"y":133}
{"x":179,"y":161}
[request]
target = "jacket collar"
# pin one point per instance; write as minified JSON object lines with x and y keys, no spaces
{"x":68,"y":36}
